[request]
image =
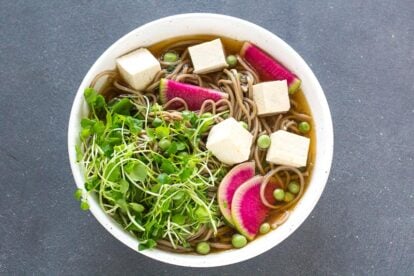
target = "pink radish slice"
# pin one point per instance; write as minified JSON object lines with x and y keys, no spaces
{"x":193,"y":95}
{"x":228,"y":186}
{"x":247,"y":210}
{"x":267,"y":67}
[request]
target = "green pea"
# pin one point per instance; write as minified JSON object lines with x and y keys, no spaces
{"x":231,"y":60}
{"x":203,"y":248}
{"x":288,"y":197}
{"x":238,"y":241}
{"x":78,"y":194}
{"x":263,"y":141}
{"x":170,"y":57}
{"x":84,"y":205}
{"x":163,"y":178}
{"x":157,"y":122}
{"x":279,"y":194}
{"x":264,"y":228}
{"x":164,"y":144}
{"x":244,"y":125}
{"x":294,"y":187}
{"x":304,"y":127}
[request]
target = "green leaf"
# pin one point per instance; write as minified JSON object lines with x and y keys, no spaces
{"x":114,"y":195}
{"x":201,"y":213}
{"x":91,"y":184}
{"x":178,"y":196}
{"x":79,"y":153}
{"x":162,"y":131}
{"x":148,"y":244}
{"x":85,"y":133}
{"x":123,"y":186}
{"x":90,"y":96}
{"x":167,"y":166}
{"x":99,"y":128}
{"x":178,"y":219}
{"x":122,"y":204}
{"x":151,"y":133}
{"x":186,"y":173}
{"x":87,"y":123}
{"x":100,"y":102}
{"x":181,"y":146}
{"x":107,"y":149}
{"x":137,"y":171}
{"x":122,"y":106}
{"x":205,"y":124}
{"x":134,"y":125}
{"x":173,"y":148}
{"x":115,"y":174}
{"x":156,"y":188}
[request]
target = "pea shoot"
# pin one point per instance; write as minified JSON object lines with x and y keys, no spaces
{"x":147,"y":172}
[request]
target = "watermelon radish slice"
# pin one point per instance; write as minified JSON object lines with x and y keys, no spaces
{"x":193,"y":95}
{"x":228,"y":186}
{"x":267,"y":67}
{"x":247,"y":210}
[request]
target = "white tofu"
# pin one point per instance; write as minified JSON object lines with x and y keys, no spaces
{"x":288,"y":149}
{"x":208,"y":57}
{"x":230,"y":142}
{"x":271,"y":97}
{"x":138,"y":68}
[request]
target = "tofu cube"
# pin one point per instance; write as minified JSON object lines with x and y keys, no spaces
{"x":138,"y":68}
{"x":230,"y":142}
{"x":271,"y":97}
{"x":288,"y":149}
{"x":208,"y":57}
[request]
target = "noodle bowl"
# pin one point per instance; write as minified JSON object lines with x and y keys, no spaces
{"x":237,"y":82}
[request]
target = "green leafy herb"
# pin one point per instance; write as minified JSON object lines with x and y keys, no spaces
{"x":150,"y":173}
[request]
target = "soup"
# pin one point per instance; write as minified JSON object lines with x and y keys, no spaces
{"x":196,"y":144}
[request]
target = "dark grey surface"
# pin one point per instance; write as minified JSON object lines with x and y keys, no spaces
{"x":363,"y":55}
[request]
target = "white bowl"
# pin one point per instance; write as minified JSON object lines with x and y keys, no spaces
{"x":220,"y":25}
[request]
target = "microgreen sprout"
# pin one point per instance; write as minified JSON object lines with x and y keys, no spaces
{"x":149,"y":173}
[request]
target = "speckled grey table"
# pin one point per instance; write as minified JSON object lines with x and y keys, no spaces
{"x":361,"y":51}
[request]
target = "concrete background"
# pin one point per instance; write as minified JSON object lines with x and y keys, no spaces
{"x":361,"y":51}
